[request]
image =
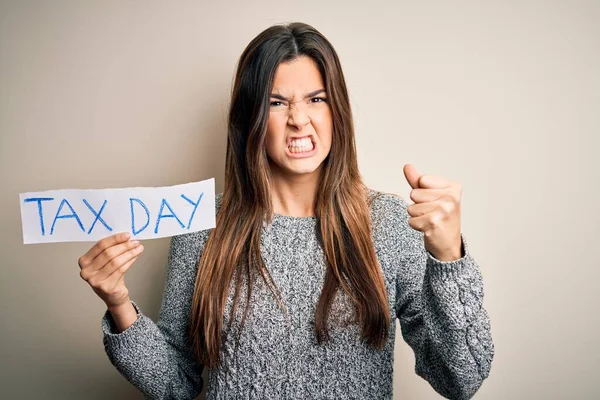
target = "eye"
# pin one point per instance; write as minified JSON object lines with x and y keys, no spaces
{"x":276,"y":103}
{"x":318,"y":100}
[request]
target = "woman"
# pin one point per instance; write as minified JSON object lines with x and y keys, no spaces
{"x":295,"y":292}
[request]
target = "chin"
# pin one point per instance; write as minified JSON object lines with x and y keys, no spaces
{"x":301,"y":166}
{"x":308,"y":168}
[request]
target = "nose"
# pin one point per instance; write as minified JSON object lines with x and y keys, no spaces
{"x":297,"y":117}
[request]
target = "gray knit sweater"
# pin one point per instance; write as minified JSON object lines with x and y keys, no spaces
{"x":439,"y":306}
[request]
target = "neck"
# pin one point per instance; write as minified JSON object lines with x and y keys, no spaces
{"x":294,"y":195}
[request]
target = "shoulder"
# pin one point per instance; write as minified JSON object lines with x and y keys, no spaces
{"x":394,"y":239}
{"x":389,"y":220}
{"x":384,"y":198}
{"x":386,"y":207}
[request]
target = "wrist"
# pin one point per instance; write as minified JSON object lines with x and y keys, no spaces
{"x":120,"y":308}
{"x":123,"y":315}
{"x":449,"y":256}
{"x":452,"y":254}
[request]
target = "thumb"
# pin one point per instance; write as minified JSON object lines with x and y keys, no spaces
{"x":412,"y":175}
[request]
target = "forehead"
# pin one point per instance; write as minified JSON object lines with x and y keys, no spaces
{"x":300,"y":75}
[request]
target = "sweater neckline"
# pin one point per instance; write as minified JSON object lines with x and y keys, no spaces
{"x":280,"y":221}
{"x":293,"y":218}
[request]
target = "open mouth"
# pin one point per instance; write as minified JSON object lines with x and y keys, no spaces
{"x":303,"y":145}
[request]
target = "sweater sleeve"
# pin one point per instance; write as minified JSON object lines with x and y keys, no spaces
{"x":440,"y":308}
{"x":155,"y":357}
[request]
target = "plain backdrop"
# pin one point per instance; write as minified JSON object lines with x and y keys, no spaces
{"x":502,"y":96}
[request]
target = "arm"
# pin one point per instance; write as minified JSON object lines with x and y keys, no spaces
{"x":155,"y":357}
{"x":440,"y":308}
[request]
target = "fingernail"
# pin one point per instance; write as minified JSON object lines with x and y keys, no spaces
{"x":135,"y":242}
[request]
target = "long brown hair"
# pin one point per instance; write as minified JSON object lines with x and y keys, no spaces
{"x":233,"y":247}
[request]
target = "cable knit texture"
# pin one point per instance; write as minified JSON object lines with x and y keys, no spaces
{"x":439,"y":305}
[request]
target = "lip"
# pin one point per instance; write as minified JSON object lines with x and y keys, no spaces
{"x":301,"y":155}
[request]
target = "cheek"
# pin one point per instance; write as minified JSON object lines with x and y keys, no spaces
{"x":324,"y":128}
{"x":274,"y":134}
{"x":275,"y":128}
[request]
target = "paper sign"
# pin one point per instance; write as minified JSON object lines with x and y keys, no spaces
{"x":74,"y":215}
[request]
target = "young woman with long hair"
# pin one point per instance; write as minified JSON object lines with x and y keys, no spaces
{"x":294,"y":294}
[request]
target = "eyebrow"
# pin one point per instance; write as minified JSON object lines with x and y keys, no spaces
{"x":311,"y":94}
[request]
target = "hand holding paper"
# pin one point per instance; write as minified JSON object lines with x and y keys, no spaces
{"x":103,"y":267}
{"x":112,"y":217}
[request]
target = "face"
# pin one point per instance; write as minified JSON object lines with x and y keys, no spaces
{"x":300,"y":126}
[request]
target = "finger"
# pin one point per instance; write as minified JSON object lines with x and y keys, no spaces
{"x":421,"y":223}
{"x":118,"y":276}
{"x":89,"y":271}
{"x":429,"y":222}
{"x":100,"y":246}
{"x":427,"y":195}
{"x":417,"y":210}
{"x":120,"y":273}
{"x":110,"y":286}
{"x":434,"y":182}
{"x":118,"y":262}
{"x":112,"y":252}
{"x":412,"y":175}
